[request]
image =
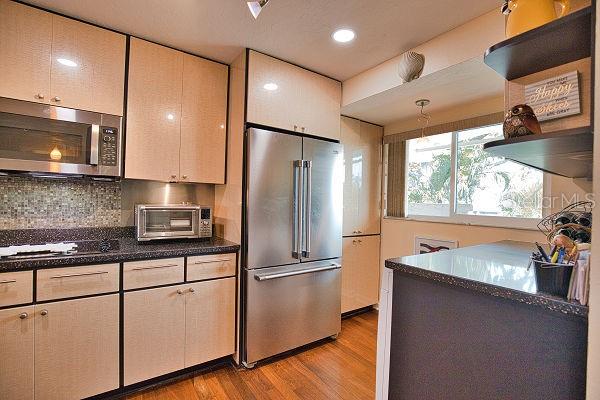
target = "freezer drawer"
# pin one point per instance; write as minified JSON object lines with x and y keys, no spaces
{"x":291,"y":306}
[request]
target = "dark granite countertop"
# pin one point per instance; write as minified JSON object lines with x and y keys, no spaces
{"x":498,"y":269}
{"x":128,"y":250}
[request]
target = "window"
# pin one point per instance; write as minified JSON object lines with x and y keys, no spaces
{"x":450,"y":177}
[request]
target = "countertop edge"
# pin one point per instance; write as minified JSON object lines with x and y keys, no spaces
{"x":546,"y":302}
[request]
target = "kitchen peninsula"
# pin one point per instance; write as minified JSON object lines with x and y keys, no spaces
{"x":474,"y":323}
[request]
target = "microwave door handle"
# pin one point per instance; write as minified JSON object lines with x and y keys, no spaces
{"x":307,"y":208}
{"x":94,"y":144}
{"x":297,"y":209}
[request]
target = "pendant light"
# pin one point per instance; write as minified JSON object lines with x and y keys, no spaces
{"x":256,"y":7}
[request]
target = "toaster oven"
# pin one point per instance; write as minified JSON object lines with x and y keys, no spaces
{"x":155,"y":222}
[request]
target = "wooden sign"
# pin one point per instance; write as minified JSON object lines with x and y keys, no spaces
{"x":556,"y":97}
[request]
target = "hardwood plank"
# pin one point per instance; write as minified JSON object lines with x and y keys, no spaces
{"x":340,"y":369}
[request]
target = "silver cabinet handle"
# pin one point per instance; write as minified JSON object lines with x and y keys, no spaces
{"x":155,"y":267}
{"x":94,"y":144}
{"x":56,"y":98}
{"x":209,"y":262}
{"x":79,"y":274}
{"x":268,"y":277}
{"x":192,"y":290}
{"x":39,"y":96}
{"x":297,"y":209}
{"x":303,"y":129}
{"x":23,"y":315}
{"x":44,"y":312}
{"x":357,"y":241}
{"x":295,"y":127}
{"x":308,"y":208}
{"x":179,"y":291}
{"x":173,"y":177}
{"x":8,"y":281}
{"x":183,"y":176}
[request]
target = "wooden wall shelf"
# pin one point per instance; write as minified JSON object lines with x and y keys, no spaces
{"x":567,"y":153}
{"x":559,"y":42}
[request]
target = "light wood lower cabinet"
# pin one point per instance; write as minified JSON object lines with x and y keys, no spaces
{"x":153,"y":332}
{"x":76,"y":348}
{"x":16,"y":353}
{"x":360,"y":272}
{"x":167,"y":329}
{"x":209,"y":321}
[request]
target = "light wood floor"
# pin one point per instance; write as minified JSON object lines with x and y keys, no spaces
{"x":340,"y":369}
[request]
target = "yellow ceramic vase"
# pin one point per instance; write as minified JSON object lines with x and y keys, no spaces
{"x":528,"y":14}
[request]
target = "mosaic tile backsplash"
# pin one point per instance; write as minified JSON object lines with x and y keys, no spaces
{"x":28,"y":202}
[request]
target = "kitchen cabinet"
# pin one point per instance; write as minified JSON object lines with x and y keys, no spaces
{"x":282,"y":95}
{"x":203,"y":121}
{"x":360,"y":272}
{"x":50,"y":59}
{"x":209,"y":321}
{"x":167,"y":329}
{"x":362,"y":183}
{"x":16,"y":353}
{"x":176,"y":116}
{"x":25,"y":52}
{"x":76,"y":347}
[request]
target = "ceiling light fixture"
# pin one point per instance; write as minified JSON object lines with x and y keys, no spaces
{"x":67,"y":62}
{"x":256,"y":7}
{"x":343,"y":35}
{"x":424,"y":118}
{"x":270,"y":86}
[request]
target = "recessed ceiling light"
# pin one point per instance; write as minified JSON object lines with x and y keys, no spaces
{"x":343,"y":35}
{"x":270,"y":86}
{"x":170,"y":117}
{"x":67,"y":62}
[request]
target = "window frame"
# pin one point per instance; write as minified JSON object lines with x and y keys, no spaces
{"x":466,"y":219}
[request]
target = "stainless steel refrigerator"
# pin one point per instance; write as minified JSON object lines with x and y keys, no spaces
{"x":292,"y":243}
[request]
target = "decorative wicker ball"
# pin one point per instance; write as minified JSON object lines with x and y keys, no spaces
{"x":521,"y":121}
{"x":411,"y":66}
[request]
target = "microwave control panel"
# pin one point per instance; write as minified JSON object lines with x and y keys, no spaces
{"x":109,"y":146}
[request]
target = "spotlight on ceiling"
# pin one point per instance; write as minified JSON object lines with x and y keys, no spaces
{"x":256,"y":7}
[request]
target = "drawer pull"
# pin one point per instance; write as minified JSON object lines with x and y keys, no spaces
{"x":80,"y":274}
{"x":7,"y":282}
{"x":23,"y":315}
{"x":155,"y":267}
{"x":210,"y":262}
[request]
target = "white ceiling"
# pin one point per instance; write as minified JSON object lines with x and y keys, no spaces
{"x":295,"y":30}
{"x":461,"y":83}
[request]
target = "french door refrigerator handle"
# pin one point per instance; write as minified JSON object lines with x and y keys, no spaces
{"x":268,"y":277}
{"x":307,"y":208}
{"x":298,"y":209}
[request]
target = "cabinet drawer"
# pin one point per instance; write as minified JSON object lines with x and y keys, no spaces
{"x":210,"y":267}
{"x":139,"y":274}
{"x":16,"y":288}
{"x":60,"y":283}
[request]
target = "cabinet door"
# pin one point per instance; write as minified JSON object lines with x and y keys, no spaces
{"x":209,"y":321}
{"x":349,"y":252}
{"x":25,"y":47}
{"x":366,"y":270}
{"x":283,"y":95}
{"x":153,"y":333}
{"x":370,"y":191}
{"x":353,"y":174}
{"x":153,"y":112}
{"x":76,"y":348}
{"x":360,"y":272}
{"x":88,"y":67}
{"x":203,"y":121}
{"x":16,"y":353}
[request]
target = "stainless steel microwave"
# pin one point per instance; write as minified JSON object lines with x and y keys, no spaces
{"x":41,"y":138}
{"x":179,"y":221}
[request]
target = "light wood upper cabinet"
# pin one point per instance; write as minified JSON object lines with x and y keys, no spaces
{"x":153,"y":112}
{"x":76,"y":348}
{"x":153,"y":333}
{"x":25,"y":52}
{"x":209,"y":321}
{"x":362,"y":183}
{"x":95,"y":81}
{"x":360,"y":272}
{"x":203,"y":121}
{"x":16,"y":353}
{"x":283,"y":95}
{"x":92,"y":72}
{"x":176,"y":116}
